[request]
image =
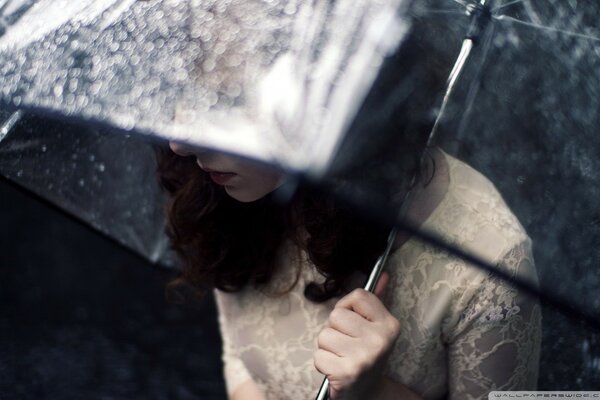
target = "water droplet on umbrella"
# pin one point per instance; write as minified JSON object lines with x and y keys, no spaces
{"x":208,"y":65}
{"x":290,"y":9}
{"x":212,"y":98}
{"x":58,"y":90}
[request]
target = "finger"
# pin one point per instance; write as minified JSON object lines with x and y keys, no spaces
{"x":384,"y":278}
{"x":364,"y":303}
{"x":336,"y":342}
{"x":327,"y":363}
{"x":347,"y":321}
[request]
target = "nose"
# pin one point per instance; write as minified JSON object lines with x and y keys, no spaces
{"x":181,"y":149}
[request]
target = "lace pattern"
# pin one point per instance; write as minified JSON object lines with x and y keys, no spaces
{"x":463,"y":331}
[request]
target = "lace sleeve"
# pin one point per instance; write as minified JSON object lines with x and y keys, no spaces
{"x":497,"y":341}
{"x":234,"y":370}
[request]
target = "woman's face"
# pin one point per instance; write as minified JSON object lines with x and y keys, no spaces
{"x":242,"y":179}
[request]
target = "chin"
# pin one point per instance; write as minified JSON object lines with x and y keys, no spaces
{"x":243,"y":197}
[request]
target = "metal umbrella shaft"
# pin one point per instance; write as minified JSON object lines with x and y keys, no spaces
{"x":370,"y":287}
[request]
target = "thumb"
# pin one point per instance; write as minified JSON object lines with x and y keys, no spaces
{"x":381,"y":284}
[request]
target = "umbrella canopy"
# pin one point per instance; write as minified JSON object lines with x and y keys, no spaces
{"x":101,"y":177}
{"x":255,"y":79}
{"x":252,"y":78}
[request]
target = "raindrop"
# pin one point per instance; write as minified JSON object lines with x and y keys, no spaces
{"x":206,"y":36}
{"x":92,"y":157}
{"x":58,"y":90}
{"x":212,"y":98}
{"x":101,"y":167}
{"x":234,"y":61}
{"x":19,"y":173}
{"x":44,"y":148}
{"x":70,"y":99}
{"x":208,"y":65}
{"x":220,"y":48}
{"x":586,"y":346}
{"x":73,"y":83}
{"x":81,"y":183}
{"x":290,"y":9}
{"x":82,"y":101}
{"x":234,"y":90}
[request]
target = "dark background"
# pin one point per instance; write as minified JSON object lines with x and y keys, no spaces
{"x":81,"y":318}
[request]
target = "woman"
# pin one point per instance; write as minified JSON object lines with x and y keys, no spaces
{"x":288,"y":280}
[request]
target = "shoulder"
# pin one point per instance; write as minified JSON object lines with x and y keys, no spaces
{"x":474,"y":215}
{"x":438,"y":286}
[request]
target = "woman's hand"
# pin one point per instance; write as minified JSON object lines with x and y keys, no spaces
{"x":353,"y":348}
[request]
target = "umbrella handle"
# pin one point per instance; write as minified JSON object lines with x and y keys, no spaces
{"x":374,"y":276}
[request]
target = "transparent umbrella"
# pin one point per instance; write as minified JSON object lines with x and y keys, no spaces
{"x":253,"y":79}
{"x":313,"y":88}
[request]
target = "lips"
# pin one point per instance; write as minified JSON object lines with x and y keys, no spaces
{"x":221,"y":178}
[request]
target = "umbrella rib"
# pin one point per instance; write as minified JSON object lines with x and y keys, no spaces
{"x":11,"y":18}
{"x":463,"y":3}
{"x":547,"y":28}
{"x":443,"y":11}
{"x":9,"y":124}
{"x":473,"y":87}
{"x":465,"y":50}
{"x":510,"y":3}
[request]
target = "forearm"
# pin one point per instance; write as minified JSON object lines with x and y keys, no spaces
{"x":247,"y":391}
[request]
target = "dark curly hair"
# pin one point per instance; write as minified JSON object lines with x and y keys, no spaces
{"x":228,"y":244}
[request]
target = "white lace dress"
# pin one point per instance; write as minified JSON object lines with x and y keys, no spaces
{"x":463,"y":332}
